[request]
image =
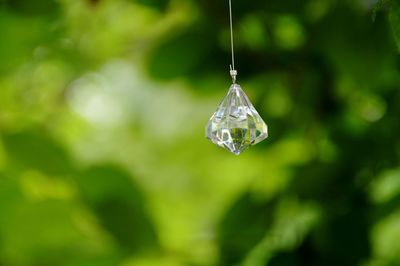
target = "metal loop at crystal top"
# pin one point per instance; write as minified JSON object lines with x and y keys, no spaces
{"x":236,"y":125}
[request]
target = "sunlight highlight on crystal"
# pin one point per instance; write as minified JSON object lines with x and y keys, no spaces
{"x":236,"y":125}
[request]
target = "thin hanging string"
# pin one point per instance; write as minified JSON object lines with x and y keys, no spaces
{"x":233,"y":71}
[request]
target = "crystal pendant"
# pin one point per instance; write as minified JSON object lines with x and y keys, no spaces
{"x":236,"y":125}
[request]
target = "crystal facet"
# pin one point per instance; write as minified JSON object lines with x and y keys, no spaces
{"x":236,"y":125}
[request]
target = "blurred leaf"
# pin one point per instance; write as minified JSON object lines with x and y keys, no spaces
{"x":36,"y":8}
{"x":34,"y":149}
{"x":285,"y":259}
{"x":293,"y":221}
{"x":394,"y":18}
{"x":159,"y":4}
{"x":386,"y":235}
{"x":120,"y":207}
{"x":253,"y":33}
{"x":181,"y":55}
{"x":242,"y":228}
{"x":378,"y":7}
{"x":289,"y":33}
{"x":345,"y":54}
{"x":40,"y":233}
{"x":10,"y":193}
{"x":386,"y":187}
{"x":20,"y":36}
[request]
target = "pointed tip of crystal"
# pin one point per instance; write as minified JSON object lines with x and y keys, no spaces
{"x":237,"y":152}
{"x":236,"y":124}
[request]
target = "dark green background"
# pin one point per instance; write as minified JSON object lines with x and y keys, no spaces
{"x":103,"y":159}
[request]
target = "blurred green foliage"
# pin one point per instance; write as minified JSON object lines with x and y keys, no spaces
{"x":103,"y":159}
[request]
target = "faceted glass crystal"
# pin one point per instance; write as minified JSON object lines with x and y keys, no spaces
{"x":236,"y":125}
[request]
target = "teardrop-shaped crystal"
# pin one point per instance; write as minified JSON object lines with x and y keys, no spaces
{"x":236,"y":125}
